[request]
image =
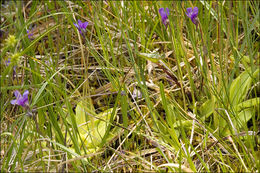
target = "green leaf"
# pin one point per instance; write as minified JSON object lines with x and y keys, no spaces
{"x":243,"y":117}
{"x":240,"y":87}
{"x":184,"y":123}
{"x":154,"y":56}
{"x":99,"y":128}
{"x":92,"y":127}
{"x":207,"y":108}
{"x":247,"y":104}
{"x":85,"y":112}
{"x":162,"y":128}
{"x":81,"y":116}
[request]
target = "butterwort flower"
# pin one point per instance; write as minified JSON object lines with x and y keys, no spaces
{"x":7,"y":62}
{"x":193,"y":14}
{"x":29,"y":34}
{"x":21,"y":100}
{"x":81,"y":26}
{"x":164,"y":15}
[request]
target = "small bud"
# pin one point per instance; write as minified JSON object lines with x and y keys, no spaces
{"x":137,"y":93}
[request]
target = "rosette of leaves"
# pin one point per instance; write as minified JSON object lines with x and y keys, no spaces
{"x":93,"y":129}
{"x":236,"y":103}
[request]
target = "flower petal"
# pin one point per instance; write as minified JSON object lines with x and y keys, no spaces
{"x":20,"y":100}
{"x":29,"y":34}
{"x":23,"y":102}
{"x":81,"y":26}
{"x":13,"y":102}
{"x":7,"y":62}
{"x":161,"y":10}
{"x":76,"y":25}
{"x":84,"y":25}
{"x":195,"y":11}
{"x":164,"y":15}
{"x":17,"y":94}
{"x":193,"y":14}
{"x":25,"y":94}
{"x":167,"y":12}
{"x":189,"y":12}
{"x":79,"y":22}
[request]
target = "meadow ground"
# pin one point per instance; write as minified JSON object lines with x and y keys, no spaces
{"x":132,"y":86}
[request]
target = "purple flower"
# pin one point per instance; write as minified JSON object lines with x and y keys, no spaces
{"x":164,"y":15}
{"x":193,"y":14}
{"x":20,"y":100}
{"x":7,"y":62}
{"x":29,"y":34}
{"x":81,"y":26}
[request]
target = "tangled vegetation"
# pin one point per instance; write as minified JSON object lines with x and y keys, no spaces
{"x":132,"y":86}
